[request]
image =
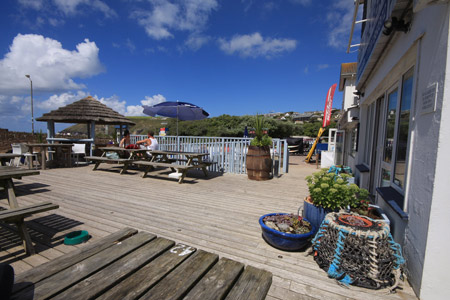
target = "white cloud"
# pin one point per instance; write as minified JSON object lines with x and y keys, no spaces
{"x":121,"y":107}
{"x":302,"y":2}
{"x":322,"y":66}
{"x":55,"y":22}
{"x":56,"y":101}
{"x":130,"y":45}
{"x":68,"y":7}
{"x":339,"y":17}
{"x":247,"y":4}
{"x":255,"y":45}
{"x":153,"y":100}
{"x":165,"y":16}
{"x":34,"y":4}
{"x":72,"y":7}
{"x":51,"y":67}
{"x":195,"y":42}
{"x":14,"y":107}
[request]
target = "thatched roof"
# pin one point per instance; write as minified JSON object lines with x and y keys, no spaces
{"x":84,"y":111}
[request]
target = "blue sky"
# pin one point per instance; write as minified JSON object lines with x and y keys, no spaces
{"x":231,"y":57}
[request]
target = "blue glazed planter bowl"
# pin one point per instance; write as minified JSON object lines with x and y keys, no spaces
{"x":285,"y":241}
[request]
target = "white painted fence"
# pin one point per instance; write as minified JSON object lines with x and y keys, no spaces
{"x":228,"y":154}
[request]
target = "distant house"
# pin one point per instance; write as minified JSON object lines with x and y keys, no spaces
{"x":304,"y":117}
{"x":404,"y":132}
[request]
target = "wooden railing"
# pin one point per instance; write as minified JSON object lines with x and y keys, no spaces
{"x":227,"y":154}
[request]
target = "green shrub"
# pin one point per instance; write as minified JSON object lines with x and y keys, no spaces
{"x":260,"y":139}
{"x":332,"y":191}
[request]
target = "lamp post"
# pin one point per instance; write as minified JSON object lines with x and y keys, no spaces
{"x":31,"y":93}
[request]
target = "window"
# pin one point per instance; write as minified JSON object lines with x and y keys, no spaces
{"x":390,"y":126}
{"x":403,"y":130}
{"x":396,"y":137}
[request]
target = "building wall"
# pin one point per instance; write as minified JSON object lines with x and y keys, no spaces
{"x":422,"y":235}
{"x":349,"y":88}
{"x":437,"y":261}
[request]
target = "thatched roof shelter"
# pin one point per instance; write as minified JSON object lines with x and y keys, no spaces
{"x":86,"y":110}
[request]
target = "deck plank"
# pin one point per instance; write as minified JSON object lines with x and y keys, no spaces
{"x":218,"y":214}
{"x":176,"y":284}
{"x":138,"y":283}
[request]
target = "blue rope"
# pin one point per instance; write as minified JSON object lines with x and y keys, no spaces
{"x":397,"y":252}
{"x":334,"y":266}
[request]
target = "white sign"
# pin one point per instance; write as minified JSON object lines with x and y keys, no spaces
{"x":429,"y":97}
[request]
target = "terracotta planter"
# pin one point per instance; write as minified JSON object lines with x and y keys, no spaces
{"x":259,"y":163}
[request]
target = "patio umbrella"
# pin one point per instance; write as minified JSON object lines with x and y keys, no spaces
{"x":181,"y":110}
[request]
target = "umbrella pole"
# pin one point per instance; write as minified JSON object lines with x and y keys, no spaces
{"x":178,"y":140}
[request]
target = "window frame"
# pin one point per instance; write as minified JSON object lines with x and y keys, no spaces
{"x":390,"y":166}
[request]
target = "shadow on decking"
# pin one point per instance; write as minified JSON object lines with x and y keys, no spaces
{"x":46,"y":232}
{"x":192,"y":176}
{"x":22,"y":189}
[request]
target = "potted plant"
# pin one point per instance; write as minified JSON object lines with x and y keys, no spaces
{"x":286,"y":231}
{"x":259,"y":162}
{"x":329,"y":192}
{"x":364,"y":208}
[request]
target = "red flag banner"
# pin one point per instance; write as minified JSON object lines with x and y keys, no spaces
{"x":328,"y":106}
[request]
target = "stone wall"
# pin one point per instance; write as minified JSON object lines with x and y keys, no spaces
{"x":12,"y":137}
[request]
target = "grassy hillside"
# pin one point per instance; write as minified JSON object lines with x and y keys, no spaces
{"x":224,"y":125}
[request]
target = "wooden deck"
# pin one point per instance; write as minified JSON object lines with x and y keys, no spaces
{"x":218,"y":214}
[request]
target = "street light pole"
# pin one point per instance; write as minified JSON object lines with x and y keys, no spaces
{"x":31,"y":93}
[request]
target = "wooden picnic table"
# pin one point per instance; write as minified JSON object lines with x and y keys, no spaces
{"x":132,"y":265}
{"x":61,"y":150}
{"x":4,"y":157}
{"x":171,"y":159}
{"x":17,"y":214}
{"x":132,"y":155}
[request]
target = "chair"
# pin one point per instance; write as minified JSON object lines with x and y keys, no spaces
{"x":77,"y":150}
{"x":23,"y":150}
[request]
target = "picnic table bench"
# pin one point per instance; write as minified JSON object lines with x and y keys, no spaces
{"x":165,"y":159}
{"x":17,"y":214}
{"x":132,"y":156}
{"x":129,"y":265}
{"x":150,"y":165}
{"x":102,"y":159}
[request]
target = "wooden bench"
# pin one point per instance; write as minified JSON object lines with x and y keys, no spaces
{"x":150,"y":165}
{"x":17,"y":215}
{"x":101,"y":159}
{"x":132,"y":265}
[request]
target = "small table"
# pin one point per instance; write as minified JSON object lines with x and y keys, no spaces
{"x":60,"y":149}
{"x":4,"y":157}
{"x":132,"y":265}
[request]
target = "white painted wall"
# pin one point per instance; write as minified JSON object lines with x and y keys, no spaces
{"x":425,"y":238}
{"x":437,"y":261}
{"x":348,"y":96}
